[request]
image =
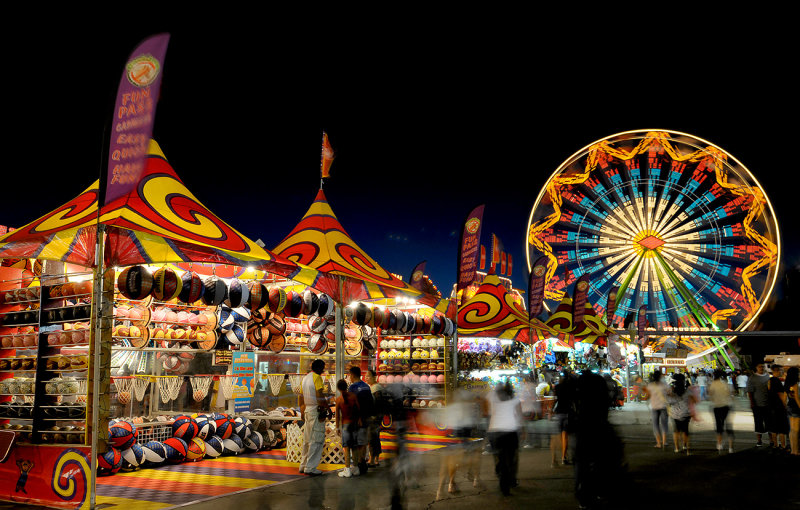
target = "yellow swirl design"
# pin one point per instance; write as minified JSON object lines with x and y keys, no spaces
{"x":70,"y":464}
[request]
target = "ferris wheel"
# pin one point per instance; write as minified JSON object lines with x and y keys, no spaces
{"x":670,"y":221}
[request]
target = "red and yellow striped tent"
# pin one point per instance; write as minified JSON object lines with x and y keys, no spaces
{"x":492,"y":312}
{"x":592,"y":331}
{"x":160,"y":221}
{"x":339,"y":267}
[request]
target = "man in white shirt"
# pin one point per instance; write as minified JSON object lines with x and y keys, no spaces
{"x":312,"y":401}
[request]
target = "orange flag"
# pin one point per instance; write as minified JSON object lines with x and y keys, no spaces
{"x":327,"y":156}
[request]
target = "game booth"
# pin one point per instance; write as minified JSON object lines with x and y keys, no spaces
{"x":137,"y":335}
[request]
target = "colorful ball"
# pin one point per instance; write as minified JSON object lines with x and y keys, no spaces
{"x":242,"y":427}
{"x":294,"y":304}
{"x":362,"y":314}
{"x":192,"y":287}
{"x":215,"y":291}
{"x":325,"y":306}
{"x":276,"y":301}
{"x":254,"y":441}
{"x":133,"y":457}
{"x":195,"y":449}
{"x":232,"y":446}
{"x":310,"y":302}
{"x":154,"y":453}
{"x":176,"y":449}
{"x":214,"y":446}
{"x":185,"y":428}
{"x":224,"y":427}
{"x":135,"y":282}
{"x":122,"y":434}
{"x":259,"y":337}
{"x":258,"y":296}
{"x":166,"y":284}
{"x":206,"y":427}
{"x":317,"y":324}
{"x":238,"y":293}
{"x":109,"y":462}
{"x":235,"y":336}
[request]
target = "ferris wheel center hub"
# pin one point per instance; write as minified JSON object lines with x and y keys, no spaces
{"x":651,"y":242}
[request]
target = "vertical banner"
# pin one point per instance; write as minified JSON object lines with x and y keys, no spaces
{"x":416,"y":275}
{"x":468,"y":249}
{"x":327,"y":156}
{"x":502,"y":262}
{"x":483,"y":257}
{"x":510,"y":263}
{"x":497,"y":250}
{"x":641,"y":324}
{"x":134,"y":116}
{"x":536,"y":287}
{"x":611,"y":305}
{"x":579,"y":298}
{"x":244,"y":372}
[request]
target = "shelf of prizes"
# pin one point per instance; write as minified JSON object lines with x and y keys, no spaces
{"x":179,"y":364}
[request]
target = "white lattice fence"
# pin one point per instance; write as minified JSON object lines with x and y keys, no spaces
{"x":332,"y":452}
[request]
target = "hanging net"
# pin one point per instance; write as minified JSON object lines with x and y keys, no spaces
{"x":169,"y":385}
{"x":276,"y":383}
{"x":295,"y":381}
{"x":226,"y":385}
{"x":200,"y":385}
{"x":140,"y":385}
{"x":123,"y":385}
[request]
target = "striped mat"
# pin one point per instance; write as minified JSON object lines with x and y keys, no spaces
{"x":178,"y":484}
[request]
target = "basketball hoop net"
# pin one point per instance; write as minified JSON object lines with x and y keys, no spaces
{"x":226,"y":385}
{"x":276,"y":383}
{"x":140,"y":385}
{"x":296,"y":381}
{"x":200,"y":387}
{"x":169,"y":385}
{"x":123,"y":386}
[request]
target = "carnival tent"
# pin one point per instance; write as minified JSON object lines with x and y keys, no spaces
{"x":492,"y":312}
{"x":339,"y":267}
{"x":593,"y":330}
{"x":160,"y":221}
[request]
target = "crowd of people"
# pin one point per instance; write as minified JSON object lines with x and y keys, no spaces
{"x":576,"y":407}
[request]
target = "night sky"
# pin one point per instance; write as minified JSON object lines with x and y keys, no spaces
{"x":424,"y":128}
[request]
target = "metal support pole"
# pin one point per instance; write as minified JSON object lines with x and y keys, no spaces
{"x":339,"y":326}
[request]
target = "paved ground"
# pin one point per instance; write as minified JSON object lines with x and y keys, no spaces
{"x":750,"y":478}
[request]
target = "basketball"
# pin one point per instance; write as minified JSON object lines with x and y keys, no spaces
{"x":362,"y":314}
{"x":277,"y":343}
{"x":294,"y":304}
{"x":258,"y":295}
{"x":317,"y":324}
{"x":235,"y":336}
{"x":377,"y":317}
{"x":325,"y":306}
{"x":206,"y":427}
{"x":238,"y":293}
{"x":213,"y":446}
{"x":215,"y":291}
{"x":242,"y":427}
{"x":276,"y":300}
{"x":437,"y":324}
{"x":310,"y":302}
{"x":110,"y":462}
{"x":276,"y":326}
{"x":122,"y":434}
{"x":192,"y":288}
{"x":185,"y":428}
{"x":195,"y":449}
{"x":254,"y":442}
{"x":232,"y":446}
{"x":133,"y":457}
{"x":176,"y":449}
{"x":411,"y":323}
{"x":166,"y":284}
{"x":135,"y":282}
{"x":240,"y":314}
{"x":316,"y":343}
{"x":224,"y":427}
{"x":400,"y":320}
{"x":259,"y":338}
{"x":449,"y":327}
{"x":154,"y":453}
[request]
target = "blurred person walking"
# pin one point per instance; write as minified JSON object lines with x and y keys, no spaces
{"x":759,"y":401}
{"x":348,"y":424}
{"x":793,"y":408}
{"x":563,"y":416}
{"x":505,"y":414}
{"x":380,"y":400}
{"x":314,"y":408}
{"x":366,"y":406}
{"x":719,"y":393}
{"x":778,"y":418}
{"x":458,"y":418}
{"x":656,"y":395}
{"x":741,"y":382}
{"x":679,"y":402}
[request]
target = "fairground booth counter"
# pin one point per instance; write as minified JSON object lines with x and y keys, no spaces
{"x":147,"y":332}
{"x":494,"y":336}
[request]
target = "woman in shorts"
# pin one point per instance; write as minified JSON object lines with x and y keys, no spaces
{"x":680,"y":401}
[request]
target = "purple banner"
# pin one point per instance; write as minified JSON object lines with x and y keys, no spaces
{"x":536,"y":286}
{"x":641,"y":324}
{"x":468,"y":250}
{"x":134,"y":115}
{"x":416,"y":275}
{"x":611,"y":305}
{"x":579,"y":297}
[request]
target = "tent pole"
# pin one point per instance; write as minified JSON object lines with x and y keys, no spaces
{"x":339,"y":325}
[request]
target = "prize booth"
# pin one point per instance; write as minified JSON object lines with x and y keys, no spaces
{"x":148,"y":333}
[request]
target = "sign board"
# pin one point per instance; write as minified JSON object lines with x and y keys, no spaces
{"x":244,"y":371}
{"x":675,"y":362}
{"x":223,"y":358}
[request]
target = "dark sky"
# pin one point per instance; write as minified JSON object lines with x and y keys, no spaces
{"x":425,"y":128}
